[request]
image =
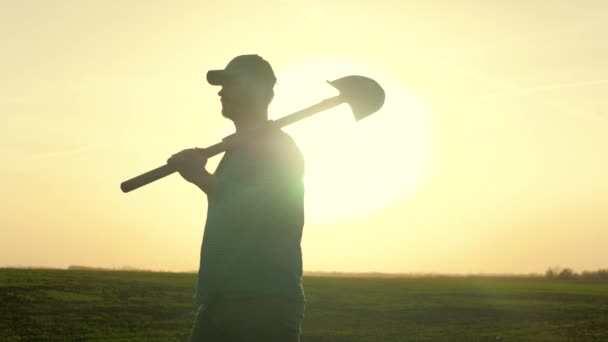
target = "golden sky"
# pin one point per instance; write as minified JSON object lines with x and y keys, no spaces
{"x":490,"y":155}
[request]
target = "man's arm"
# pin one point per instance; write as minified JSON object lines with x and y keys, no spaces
{"x":190,"y":163}
{"x":207,"y":182}
{"x":271,"y":162}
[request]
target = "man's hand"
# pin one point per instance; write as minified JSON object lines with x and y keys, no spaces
{"x":190,"y":163}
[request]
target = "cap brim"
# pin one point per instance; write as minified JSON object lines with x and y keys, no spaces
{"x":216,"y":77}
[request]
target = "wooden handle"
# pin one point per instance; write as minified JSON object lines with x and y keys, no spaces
{"x":146,"y":178}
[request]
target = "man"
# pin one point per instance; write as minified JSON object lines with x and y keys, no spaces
{"x":249,"y":281}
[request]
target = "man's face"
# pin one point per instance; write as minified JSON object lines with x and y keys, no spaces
{"x":236,"y":97}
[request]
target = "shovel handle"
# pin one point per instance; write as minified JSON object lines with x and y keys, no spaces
{"x":146,"y":178}
{"x":165,"y":170}
{"x":231,"y":140}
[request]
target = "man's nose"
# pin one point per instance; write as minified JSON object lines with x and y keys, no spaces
{"x":221,"y":92}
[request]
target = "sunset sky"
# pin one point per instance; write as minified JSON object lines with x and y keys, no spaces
{"x":490,"y":155}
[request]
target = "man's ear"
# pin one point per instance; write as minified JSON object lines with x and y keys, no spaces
{"x":264,"y":93}
{"x":258,"y":91}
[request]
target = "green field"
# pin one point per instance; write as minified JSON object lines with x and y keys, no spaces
{"x":62,"y":305}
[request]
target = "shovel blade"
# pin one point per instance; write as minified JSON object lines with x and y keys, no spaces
{"x":364,"y":95}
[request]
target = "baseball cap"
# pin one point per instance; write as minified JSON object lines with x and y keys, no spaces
{"x":253,"y":67}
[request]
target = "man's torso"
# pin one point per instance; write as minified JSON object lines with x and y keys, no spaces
{"x":251,"y":244}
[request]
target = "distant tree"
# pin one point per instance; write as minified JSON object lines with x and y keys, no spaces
{"x":552,"y":272}
{"x":567,"y":273}
{"x":83,"y":268}
{"x":601,"y":274}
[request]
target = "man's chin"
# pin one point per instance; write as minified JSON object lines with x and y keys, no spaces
{"x":228,"y":114}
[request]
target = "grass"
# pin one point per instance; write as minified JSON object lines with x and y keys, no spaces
{"x":77,"y":305}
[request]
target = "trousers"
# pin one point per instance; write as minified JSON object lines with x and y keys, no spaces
{"x":267,"y":319}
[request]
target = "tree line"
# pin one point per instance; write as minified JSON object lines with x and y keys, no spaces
{"x":568,"y":273}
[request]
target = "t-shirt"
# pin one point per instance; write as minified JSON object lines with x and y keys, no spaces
{"x":251,"y":243}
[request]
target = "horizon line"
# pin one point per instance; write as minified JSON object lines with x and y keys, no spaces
{"x":378,"y":274}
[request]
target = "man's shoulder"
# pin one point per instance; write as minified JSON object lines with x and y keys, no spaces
{"x":276,"y":150}
{"x":276,"y":141}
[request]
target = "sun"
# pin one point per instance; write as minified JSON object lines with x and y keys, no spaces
{"x":353,"y":168}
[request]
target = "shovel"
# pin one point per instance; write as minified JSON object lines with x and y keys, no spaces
{"x":364,"y":96}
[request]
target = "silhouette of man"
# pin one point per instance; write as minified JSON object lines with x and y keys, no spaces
{"x":249,"y":281}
